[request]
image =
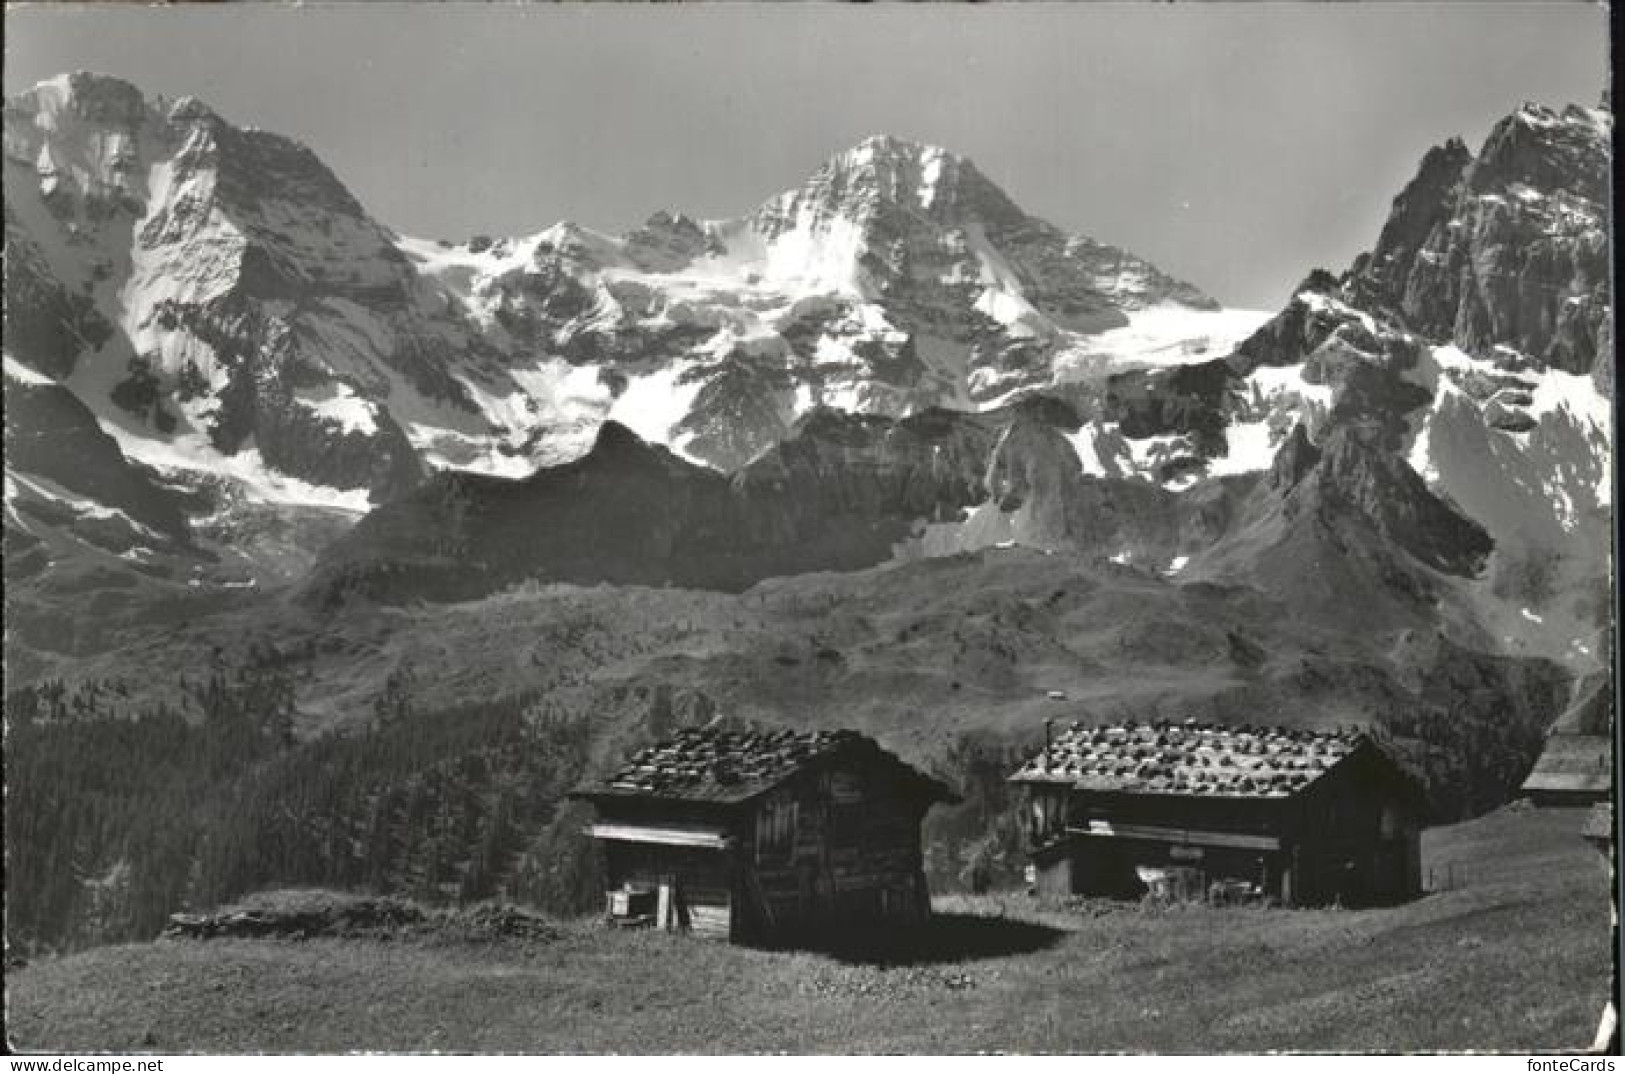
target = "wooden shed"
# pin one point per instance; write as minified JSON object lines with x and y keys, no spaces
{"x":1302,"y":817}
{"x":1572,"y":770}
{"x":1576,"y":764}
{"x":761,"y":835}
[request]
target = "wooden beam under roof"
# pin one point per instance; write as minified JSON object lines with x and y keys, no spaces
{"x":1185,"y":836}
{"x":665,"y":834}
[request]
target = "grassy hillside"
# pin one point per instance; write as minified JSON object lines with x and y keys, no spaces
{"x":1515,"y":957}
{"x":423,"y":750}
{"x":916,"y":654}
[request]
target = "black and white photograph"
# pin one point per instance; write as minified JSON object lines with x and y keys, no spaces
{"x":622,"y":529}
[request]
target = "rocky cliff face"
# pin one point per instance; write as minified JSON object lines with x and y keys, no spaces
{"x":58,"y":457}
{"x":1507,"y":251}
{"x":210,"y":291}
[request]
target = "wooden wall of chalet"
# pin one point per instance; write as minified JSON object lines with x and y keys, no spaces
{"x":1356,"y":841}
{"x":1053,"y":872}
{"x":835,"y":844}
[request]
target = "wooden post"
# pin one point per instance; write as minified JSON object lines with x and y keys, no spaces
{"x":664,"y":918}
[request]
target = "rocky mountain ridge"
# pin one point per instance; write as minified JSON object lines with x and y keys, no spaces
{"x":1506,"y":251}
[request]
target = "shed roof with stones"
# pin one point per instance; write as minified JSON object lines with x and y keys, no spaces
{"x":730,"y":766}
{"x":1188,"y":758}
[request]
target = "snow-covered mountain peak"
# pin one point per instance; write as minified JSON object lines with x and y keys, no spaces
{"x":90,"y":96}
{"x":84,"y":136}
{"x":191,"y":109}
{"x":1547,"y":150}
{"x":888,"y":145}
{"x":905,"y":171}
{"x":1590,"y":120}
{"x":575,"y":243}
{"x":1506,"y":250}
{"x":883,"y":174}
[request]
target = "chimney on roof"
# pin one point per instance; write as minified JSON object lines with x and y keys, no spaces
{"x":1049,"y":728}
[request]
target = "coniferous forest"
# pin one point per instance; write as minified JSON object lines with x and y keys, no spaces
{"x":114,"y":823}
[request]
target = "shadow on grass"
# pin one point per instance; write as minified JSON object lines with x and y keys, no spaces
{"x":944,"y":937}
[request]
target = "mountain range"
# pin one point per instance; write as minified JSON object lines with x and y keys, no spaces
{"x":234,"y":397}
{"x":217,"y":294}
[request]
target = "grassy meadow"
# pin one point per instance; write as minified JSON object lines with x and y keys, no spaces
{"x":1516,"y":956}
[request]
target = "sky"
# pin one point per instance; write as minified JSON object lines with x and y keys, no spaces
{"x":1235,"y":146}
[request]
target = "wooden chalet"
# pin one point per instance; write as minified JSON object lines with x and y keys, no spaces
{"x":1190,"y":809}
{"x":763,"y":835}
{"x":1576,"y":764}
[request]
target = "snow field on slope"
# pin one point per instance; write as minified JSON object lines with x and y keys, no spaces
{"x":1274,"y":400}
{"x":47,"y":489}
{"x":818,"y":255}
{"x":1513,"y":481}
{"x":654,"y":403}
{"x":1284,"y":399}
{"x":337,"y":403}
{"x":192,"y":453}
{"x":1002,"y":297}
{"x":1163,"y":335}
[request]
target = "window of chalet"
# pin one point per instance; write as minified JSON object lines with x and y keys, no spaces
{"x":776,"y":829}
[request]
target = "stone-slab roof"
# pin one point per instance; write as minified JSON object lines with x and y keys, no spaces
{"x":1187,"y":758}
{"x":728,"y":765}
